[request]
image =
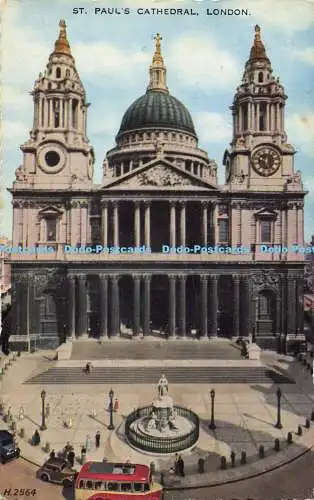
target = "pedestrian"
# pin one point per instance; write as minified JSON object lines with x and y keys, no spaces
{"x":176,"y":466}
{"x":88,"y":443}
{"x":244,"y":351}
{"x":181,"y":466}
{"x":97,"y":439}
{"x":88,"y":367}
{"x":83,"y":455}
{"x":116,"y":405}
{"x":52,"y":454}
{"x":21,"y":413}
{"x":71,"y":458}
{"x":36,"y":438}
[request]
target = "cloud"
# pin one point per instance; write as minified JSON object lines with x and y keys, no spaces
{"x":108,"y":60}
{"x":283,"y":14}
{"x":199,"y":62}
{"x":306,"y":55}
{"x":15,"y":99}
{"x":300,"y":129}
{"x":15,"y":132}
{"x":213,"y":127}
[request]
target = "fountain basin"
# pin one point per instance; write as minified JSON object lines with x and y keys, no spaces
{"x":162,"y":441}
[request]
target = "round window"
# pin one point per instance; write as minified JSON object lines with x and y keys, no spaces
{"x":52,"y":158}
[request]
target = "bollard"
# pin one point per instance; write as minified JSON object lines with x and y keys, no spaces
{"x":243,"y":457}
{"x":277,"y":445}
{"x":261,"y":451}
{"x":201,"y":465}
{"x":307,"y":423}
{"x":223,"y":464}
{"x":289,"y":438}
{"x":299,"y":431}
{"x":232,"y":458}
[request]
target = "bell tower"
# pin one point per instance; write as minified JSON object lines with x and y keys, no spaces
{"x":58,"y":154}
{"x":260,"y":157}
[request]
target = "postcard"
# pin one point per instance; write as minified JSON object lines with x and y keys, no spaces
{"x":157,"y":300}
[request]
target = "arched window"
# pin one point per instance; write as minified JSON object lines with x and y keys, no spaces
{"x":49,"y":86}
{"x":58,"y":73}
{"x":260,"y":77}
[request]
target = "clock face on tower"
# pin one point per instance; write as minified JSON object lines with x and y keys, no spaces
{"x":266,"y":161}
{"x":51,"y":158}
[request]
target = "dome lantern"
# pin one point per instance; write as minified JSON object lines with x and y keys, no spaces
{"x":157,"y":70}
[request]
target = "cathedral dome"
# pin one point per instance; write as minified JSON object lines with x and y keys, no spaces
{"x":157,"y":108}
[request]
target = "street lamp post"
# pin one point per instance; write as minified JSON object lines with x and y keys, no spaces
{"x":111,"y":394}
{"x":212,"y":418}
{"x":278,"y":424}
{"x":43,"y":416}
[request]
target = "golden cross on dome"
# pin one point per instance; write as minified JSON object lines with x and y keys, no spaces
{"x":158,"y":39}
{"x":257,"y":32}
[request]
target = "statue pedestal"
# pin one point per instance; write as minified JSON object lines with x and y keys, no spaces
{"x":254,"y":351}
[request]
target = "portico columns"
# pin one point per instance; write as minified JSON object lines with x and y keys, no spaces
{"x":82,"y":305}
{"x":172,"y":223}
{"x":103,"y":306}
{"x":213,"y":305}
{"x":172,"y":305}
{"x":146,"y":319}
{"x":71,"y":305}
{"x":204,"y":223}
{"x":182,"y":223}
{"x":182,"y":306}
{"x":236,"y":303}
{"x":245,"y":307}
{"x":204,"y":312}
{"x":137,"y":224}
{"x":115,"y":309}
{"x":136,"y":304}
{"x":115,"y":224}
{"x":104,"y":224}
{"x":147,"y":223}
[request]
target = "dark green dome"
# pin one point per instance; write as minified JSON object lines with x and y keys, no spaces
{"x":157,"y":109}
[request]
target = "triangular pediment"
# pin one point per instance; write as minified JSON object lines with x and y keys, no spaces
{"x":267,"y":213}
{"x":159,"y":174}
{"x":50,"y":210}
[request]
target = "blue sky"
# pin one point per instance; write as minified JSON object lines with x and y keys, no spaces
{"x":205,"y":57}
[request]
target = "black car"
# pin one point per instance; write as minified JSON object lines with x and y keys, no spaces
{"x":8,"y":447}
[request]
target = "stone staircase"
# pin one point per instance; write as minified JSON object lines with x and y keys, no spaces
{"x":149,"y":375}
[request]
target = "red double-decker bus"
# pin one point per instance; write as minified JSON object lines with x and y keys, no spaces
{"x":109,"y":481}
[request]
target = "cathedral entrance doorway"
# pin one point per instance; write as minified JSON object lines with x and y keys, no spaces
{"x":266,"y":313}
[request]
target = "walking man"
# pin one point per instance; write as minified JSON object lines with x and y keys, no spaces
{"x":181,"y":466}
{"x":97,"y":439}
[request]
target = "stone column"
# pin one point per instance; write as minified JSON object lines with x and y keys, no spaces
{"x":146,"y":319}
{"x":236,"y":303}
{"x":204,"y":302}
{"x":182,"y":306}
{"x":104,"y":224}
{"x":172,"y":223}
{"x":136,"y":304}
{"x":103,"y":306}
{"x":137,"y":223}
{"x":115,"y":307}
{"x":115,"y":224}
{"x":82,"y":305}
{"x":213,"y":305}
{"x":182,"y":223}
{"x":245,"y":307}
{"x":71,"y":306}
{"x":172,"y":305}
{"x":204,"y":223}
{"x":147,"y":224}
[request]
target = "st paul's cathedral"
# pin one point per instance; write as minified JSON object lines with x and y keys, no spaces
{"x":159,"y":190}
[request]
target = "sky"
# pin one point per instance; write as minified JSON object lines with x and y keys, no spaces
{"x":205,"y":57}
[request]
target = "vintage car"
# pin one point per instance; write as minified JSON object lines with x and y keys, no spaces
{"x":8,"y":447}
{"x":57,"y":470}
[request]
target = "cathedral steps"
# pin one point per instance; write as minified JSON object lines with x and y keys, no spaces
{"x":175,"y":375}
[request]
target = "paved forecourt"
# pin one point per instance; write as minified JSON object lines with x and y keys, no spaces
{"x":245,"y":413}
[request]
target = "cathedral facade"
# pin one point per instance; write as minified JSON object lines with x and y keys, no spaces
{"x":159,"y":248}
